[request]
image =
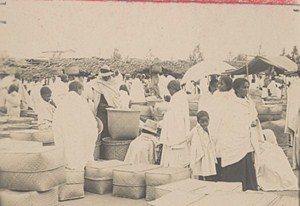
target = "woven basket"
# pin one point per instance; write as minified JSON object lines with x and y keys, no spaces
{"x":131,"y":192}
{"x":38,"y":181}
{"x":32,"y":198}
{"x":129,"y":181}
{"x":102,"y":168}
{"x":123,"y":124}
{"x":163,"y":176}
{"x":114,"y":149}
{"x":98,"y":186}
{"x":36,"y":168}
{"x":70,"y":192}
{"x":73,"y":188}
{"x":99,"y":175}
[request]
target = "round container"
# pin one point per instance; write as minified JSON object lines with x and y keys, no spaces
{"x":114,"y":149}
{"x":123,"y":124}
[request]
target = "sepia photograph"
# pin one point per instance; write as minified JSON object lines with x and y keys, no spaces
{"x":149,"y":103}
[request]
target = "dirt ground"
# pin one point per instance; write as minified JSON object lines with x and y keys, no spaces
{"x":287,"y":198}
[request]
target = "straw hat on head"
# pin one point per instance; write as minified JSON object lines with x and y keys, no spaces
{"x":150,"y":126}
{"x":105,"y":71}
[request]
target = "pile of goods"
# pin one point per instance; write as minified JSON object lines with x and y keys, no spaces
{"x":25,"y":129}
{"x":123,"y":127}
{"x":30,"y":173}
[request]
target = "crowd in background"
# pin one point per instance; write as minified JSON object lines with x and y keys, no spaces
{"x":223,"y":146}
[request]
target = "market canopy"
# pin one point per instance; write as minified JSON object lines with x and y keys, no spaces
{"x":281,"y":64}
{"x":206,"y":68}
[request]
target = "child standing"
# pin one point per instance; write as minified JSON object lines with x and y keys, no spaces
{"x":13,"y":101}
{"x":202,"y":149}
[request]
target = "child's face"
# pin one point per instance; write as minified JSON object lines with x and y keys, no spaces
{"x":204,"y":121}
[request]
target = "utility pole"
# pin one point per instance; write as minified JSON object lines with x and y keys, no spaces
{"x":3,"y":3}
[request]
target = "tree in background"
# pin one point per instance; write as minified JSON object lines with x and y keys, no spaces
{"x":196,"y":56}
{"x":294,"y":55}
{"x":116,"y":55}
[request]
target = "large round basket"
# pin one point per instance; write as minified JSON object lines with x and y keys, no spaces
{"x":114,"y":149}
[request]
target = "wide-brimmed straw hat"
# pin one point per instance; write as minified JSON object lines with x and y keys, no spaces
{"x":105,"y":71}
{"x":150,"y":126}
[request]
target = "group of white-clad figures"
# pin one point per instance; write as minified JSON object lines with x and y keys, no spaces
{"x":227,"y":143}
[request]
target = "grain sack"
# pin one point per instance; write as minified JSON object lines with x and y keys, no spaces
{"x":36,"y":168}
{"x":116,"y":127}
{"x":45,"y":136}
{"x":238,"y":198}
{"x":177,"y":198}
{"x":129,"y":181}
{"x":32,"y":198}
{"x":73,"y":188}
{"x":98,"y":176}
{"x":163,"y":176}
{"x":198,"y":186}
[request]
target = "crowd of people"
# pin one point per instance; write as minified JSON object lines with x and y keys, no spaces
{"x":225,"y":144}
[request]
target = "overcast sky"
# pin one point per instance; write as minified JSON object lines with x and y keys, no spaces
{"x":171,"y":31}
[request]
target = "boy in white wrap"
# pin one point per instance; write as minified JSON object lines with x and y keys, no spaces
{"x":202,"y":154}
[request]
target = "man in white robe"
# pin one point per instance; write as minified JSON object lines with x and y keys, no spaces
{"x":137,"y":92}
{"x":292,"y":125}
{"x":45,"y":109}
{"x":175,"y":128}
{"x":35,"y":92}
{"x":75,"y":128}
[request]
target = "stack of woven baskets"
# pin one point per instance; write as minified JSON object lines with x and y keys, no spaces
{"x":24,"y":129}
{"x":30,"y":173}
{"x":123,"y":127}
